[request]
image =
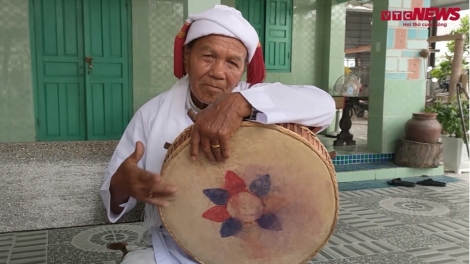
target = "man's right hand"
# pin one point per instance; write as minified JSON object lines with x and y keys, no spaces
{"x":132,"y":181}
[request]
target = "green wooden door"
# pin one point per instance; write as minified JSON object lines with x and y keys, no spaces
{"x":78,"y":98}
{"x":60,"y":86}
{"x":278,"y":35}
{"x":272,"y":19}
{"x":107,"y":80}
{"x":254,"y":12}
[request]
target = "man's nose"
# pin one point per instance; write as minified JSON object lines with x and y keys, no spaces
{"x":218,"y":69}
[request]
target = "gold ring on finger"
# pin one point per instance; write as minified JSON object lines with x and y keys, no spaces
{"x":215,"y":146}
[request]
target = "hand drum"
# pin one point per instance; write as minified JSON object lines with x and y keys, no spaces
{"x":274,"y":201}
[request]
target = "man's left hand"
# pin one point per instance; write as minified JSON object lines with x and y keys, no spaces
{"x":215,"y":125}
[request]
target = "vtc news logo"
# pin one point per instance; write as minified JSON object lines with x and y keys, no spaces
{"x":423,"y":14}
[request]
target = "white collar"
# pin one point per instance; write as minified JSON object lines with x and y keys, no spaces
{"x":189,"y":102}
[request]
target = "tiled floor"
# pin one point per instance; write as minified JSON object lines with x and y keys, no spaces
{"x":377,"y":224}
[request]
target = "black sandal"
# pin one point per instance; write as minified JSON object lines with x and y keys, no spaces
{"x":399,"y":182}
{"x":431,"y":182}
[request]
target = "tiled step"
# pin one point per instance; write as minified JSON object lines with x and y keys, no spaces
{"x":360,"y":158}
{"x":379,"y":171}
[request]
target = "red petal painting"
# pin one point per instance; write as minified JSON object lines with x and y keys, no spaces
{"x":216,"y":214}
{"x":233,"y":183}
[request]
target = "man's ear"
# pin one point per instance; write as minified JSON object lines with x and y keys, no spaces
{"x":186,"y":52}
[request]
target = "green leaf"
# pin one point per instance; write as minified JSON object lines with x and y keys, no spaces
{"x":448,"y":114}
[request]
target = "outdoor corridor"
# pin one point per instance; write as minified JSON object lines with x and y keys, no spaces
{"x":377,"y":224}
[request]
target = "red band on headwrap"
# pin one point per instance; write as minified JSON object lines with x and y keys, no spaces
{"x":178,"y":67}
{"x":256,"y":72}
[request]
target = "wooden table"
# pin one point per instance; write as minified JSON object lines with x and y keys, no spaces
{"x":345,"y":123}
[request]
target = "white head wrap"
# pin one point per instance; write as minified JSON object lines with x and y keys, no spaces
{"x":226,"y":21}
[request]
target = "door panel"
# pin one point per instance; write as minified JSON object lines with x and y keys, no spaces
{"x":60,"y":79}
{"x":254,"y":12}
{"x":107,"y":100}
{"x":278,"y":35}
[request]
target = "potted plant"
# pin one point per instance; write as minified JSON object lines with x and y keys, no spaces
{"x":454,"y":154}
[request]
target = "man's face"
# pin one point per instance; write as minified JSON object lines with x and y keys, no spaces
{"x":215,"y":65}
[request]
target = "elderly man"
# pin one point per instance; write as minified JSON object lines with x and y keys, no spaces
{"x":212,"y":52}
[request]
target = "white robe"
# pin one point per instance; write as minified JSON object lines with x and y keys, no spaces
{"x":164,"y":117}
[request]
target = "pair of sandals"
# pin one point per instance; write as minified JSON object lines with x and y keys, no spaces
{"x":427,"y":182}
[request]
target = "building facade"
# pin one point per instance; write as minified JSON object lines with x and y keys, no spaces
{"x":78,"y":69}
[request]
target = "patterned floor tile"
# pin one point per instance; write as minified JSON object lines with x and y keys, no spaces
{"x":6,"y":245}
{"x":463,"y":244}
{"x":394,"y":232}
{"x":454,"y":196}
{"x":59,"y":236}
{"x":68,"y":254}
{"x":350,"y":207}
{"x":375,"y":192}
{"x":455,"y":185}
{"x":409,"y":241}
{"x":95,"y":239}
{"x":362,"y":218}
{"x":446,"y":253}
{"x":416,"y":219}
{"x":350,"y":238}
{"x":29,"y":247}
{"x":358,"y":222}
{"x":454,"y":251}
{"x":342,"y":227}
{"x":334,"y":261}
{"x":355,"y":249}
{"x":431,"y":256}
{"x":399,"y":257}
{"x":413,"y":208}
{"x":88,"y":244}
{"x":458,"y":236}
{"x":64,"y":235}
{"x":462,"y":214}
{"x":445,"y":226}
{"x":373,"y":201}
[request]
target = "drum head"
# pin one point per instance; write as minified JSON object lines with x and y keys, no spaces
{"x":274,"y":201}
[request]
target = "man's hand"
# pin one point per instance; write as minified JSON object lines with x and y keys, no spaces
{"x":130,"y":180}
{"x":215,"y":125}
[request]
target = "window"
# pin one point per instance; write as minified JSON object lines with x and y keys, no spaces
{"x":349,"y":62}
{"x":272,"y":19}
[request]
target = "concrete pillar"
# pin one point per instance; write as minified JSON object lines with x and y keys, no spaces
{"x":397,"y":82}
{"x":331,"y":27}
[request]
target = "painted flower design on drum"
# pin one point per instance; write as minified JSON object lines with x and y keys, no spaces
{"x":237,"y":204}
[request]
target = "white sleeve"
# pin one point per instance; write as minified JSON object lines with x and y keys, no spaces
{"x":126,"y":146}
{"x":299,"y":104}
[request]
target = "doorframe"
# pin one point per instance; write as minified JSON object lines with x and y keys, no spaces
{"x":34,"y":68}
{"x":130,"y":59}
